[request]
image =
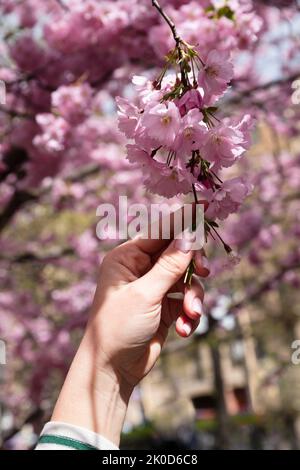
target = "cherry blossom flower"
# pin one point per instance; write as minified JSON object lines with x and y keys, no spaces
{"x":73,"y":102}
{"x":162,"y":123}
{"x":190,"y":100}
{"x":128,"y":117}
{"x":192,"y":132}
{"x":223,"y":145}
{"x":215,"y":75}
{"x":227,"y":199}
{"x":159,"y":178}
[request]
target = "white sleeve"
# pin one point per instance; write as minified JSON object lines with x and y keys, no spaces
{"x":63,"y":436}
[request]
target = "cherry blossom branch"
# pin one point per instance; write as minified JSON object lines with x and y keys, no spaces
{"x":168,"y":21}
{"x":266,"y":285}
{"x":34,"y":415}
{"x":176,"y":37}
{"x":20,"y":198}
{"x":63,"y":5}
{"x":265,"y":86}
{"x":30,"y":257}
{"x":12,"y":113}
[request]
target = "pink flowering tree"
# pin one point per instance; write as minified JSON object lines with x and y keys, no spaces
{"x":190,"y":79}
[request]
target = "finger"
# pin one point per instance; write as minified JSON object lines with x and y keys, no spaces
{"x":193,"y":299}
{"x":159,"y":233}
{"x":201,"y":264}
{"x":185,"y":326}
{"x":168,"y":269}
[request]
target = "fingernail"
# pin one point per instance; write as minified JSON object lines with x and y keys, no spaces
{"x":187,"y":328}
{"x":185,"y":241}
{"x":205,"y":263}
{"x":183,"y":245}
{"x":197,"y":305}
{"x":175,"y":295}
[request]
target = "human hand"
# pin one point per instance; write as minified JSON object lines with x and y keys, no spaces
{"x":130,"y":319}
{"x":133,"y":309}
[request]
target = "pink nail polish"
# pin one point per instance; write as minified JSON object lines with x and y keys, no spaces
{"x":185,"y":241}
{"x":183,"y":245}
{"x":197,"y":306}
{"x":187,"y":328}
{"x":205,"y":263}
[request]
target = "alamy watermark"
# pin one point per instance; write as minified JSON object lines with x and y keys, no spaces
{"x":295,"y":357}
{"x":296,"y":94}
{"x":153,"y":221}
{"x":2,"y":352}
{"x":2,"y":92}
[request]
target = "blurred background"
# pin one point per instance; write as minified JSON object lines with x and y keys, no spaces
{"x":236,"y":383}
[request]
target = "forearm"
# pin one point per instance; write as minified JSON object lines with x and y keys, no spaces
{"x":92,"y":396}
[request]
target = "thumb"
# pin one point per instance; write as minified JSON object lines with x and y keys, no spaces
{"x":169,"y":268}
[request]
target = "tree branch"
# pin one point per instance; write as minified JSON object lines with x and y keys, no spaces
{"x":33,"y":416}
{"x":265,"y":86}
{"x":250,"y":297}
{"x":31,"y":257}
{"x":20,"y":198}
{"x":63,"y":5}
{"x":168,"y":21}
{"x":12,"y":113}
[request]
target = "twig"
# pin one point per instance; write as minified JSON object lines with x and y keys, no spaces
{"x":195,"y":194}
{"x":62,"y":5}
{"x":12,"y":113}
{"x":248,"y":93}
{"x":168,"y":21}
{"x":20,"y":198}
{"x":176,"y":37}
{"x":31,"y":257}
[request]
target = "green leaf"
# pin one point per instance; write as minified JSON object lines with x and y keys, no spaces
{"x":210,"y":9}
{"x":227,"y":12}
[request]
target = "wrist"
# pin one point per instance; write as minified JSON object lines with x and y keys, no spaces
{"x":93,"y":395}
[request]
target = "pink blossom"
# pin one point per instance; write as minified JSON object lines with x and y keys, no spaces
{"x":73,"y":102}
{"x":190,"y":100}
{"x":162,"y":123}
{"x":147,"y":92}
{"x":128,"y":116}
{"x":223,"y":145}
{"x":215,"y":75}
{"x":159,"y":178}
{"x":192,"y":132}
{"x":227,"y":199}
{"x":54,"y":132}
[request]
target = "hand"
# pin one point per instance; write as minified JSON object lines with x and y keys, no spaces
{"x":130,"y":319}
{"x":132,"y":312}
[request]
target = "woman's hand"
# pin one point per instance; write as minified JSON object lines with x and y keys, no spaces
{"x":132,"y":310}
{"x":140,"y":294}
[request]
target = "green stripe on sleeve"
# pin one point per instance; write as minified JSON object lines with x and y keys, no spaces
{"x":65,"y":441}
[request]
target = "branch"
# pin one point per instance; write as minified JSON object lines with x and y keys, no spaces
{"x":20,"y":198}
{"x":262,"y":288}
{"x":16,"y":202}
{"x":33,"y":416}
{"x":31,"y":257}
{"x":176,"y":37}
{"x":168,"y":21}
{"x":265,"y":86}
{"x":12,"y":113}
{"x":63,"y":5}
{"x":14,"y":161}
{"x":250,"y":297}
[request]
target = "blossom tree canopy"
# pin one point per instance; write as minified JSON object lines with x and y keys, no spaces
{"x":84,"y":77}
